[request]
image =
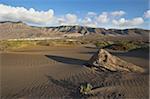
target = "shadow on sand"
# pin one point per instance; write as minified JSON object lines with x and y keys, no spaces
{"x":67,"y":60}
{"x":88,"y":52}
{"x":91,"y":47}
{"x":67,"y":84}
{"x":63,"y":82}
{"x":140,"y":53}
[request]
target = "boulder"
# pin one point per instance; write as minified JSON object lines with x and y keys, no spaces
{"x":104,"y":60}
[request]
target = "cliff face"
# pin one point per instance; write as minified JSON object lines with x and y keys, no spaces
{"x":14,"y":30}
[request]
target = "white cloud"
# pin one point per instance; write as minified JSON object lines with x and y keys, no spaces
{"x":68,"y":19}
{"x":47,"y":18}
{"x":147,"y":14}
{"x":71,"y":18}
{"x":91,"y":14}
{"x":103,"y":18}
{"x":117,"y":13}
{"x":89,"y":22}
{"x":126,"y":23}
{"x":31,"y":16}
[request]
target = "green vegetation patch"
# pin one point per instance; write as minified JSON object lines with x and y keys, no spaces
{"x":103,"y":44}
{"x":126,"y":45}
{"x":6,"y":45}
{"x":84,"y":89}
{"x":15,"y":44}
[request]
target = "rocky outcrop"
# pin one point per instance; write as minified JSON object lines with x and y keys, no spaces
{"x":104,"y":60}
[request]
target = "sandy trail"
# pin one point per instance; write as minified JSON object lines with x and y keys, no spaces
{"x":57,"y":72}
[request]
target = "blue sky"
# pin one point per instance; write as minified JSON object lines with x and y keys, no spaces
{"x":79,"y":9}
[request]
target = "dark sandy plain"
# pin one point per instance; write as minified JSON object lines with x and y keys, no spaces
{"x":58,"y":72}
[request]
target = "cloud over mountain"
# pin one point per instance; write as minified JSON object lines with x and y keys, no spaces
{"x":126,"y":23}
{"x":103,"y":18}
{"x":48,"y":18}
{"x":118,"y":13}
{"x":147,"y":14}
{"x":31,"y":16}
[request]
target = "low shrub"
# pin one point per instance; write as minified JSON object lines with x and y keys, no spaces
{"x":103,"y":44}
{"x":126,"y":45}
{"x":43,"y":43}
{"x":84,"y":89}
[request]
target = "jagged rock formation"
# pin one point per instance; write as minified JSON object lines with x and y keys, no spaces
{"x":104,"y":60}
{"x":17,"y":30}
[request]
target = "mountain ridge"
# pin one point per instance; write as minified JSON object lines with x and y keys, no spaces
{"x":16,"y":30}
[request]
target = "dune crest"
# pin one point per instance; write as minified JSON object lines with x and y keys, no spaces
{"x":104,"y":60}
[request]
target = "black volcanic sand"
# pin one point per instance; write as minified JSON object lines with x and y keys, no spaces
{"x":58,"y":72}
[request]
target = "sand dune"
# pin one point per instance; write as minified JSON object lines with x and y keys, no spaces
{"x":58,"y":72}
